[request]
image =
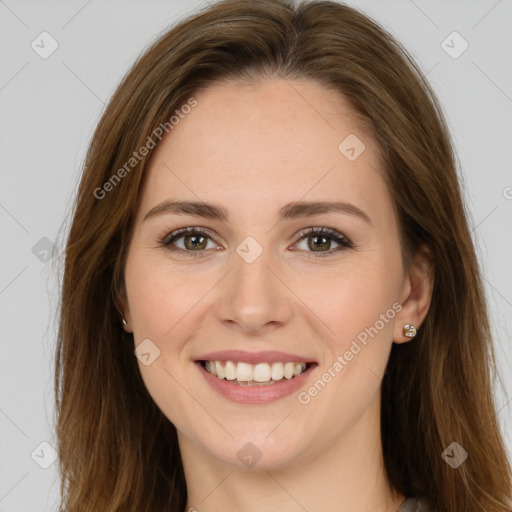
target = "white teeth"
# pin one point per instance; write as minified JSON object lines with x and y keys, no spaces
{"x":220,"y":370}
{"x":261,"y":372}
{"x":243,"y":372}
{"x":277,"y":371}
{"x":230,"y":370}
{"x":289,"y":368}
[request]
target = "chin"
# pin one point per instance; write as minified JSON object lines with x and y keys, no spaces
{"x":257,"y":450}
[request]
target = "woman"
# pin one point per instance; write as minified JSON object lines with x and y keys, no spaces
{"x":271,"y":299}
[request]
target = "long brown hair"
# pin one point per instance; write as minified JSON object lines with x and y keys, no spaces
{"x":117,"y":451}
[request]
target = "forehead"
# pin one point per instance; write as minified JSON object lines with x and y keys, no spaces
{"x":265,"y":144}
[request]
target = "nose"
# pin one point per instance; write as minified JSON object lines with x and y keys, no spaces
{"x":254,"y":298}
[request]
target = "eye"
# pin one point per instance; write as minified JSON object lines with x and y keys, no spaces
{"x":318,"y":239}
{"x":195,"y":241}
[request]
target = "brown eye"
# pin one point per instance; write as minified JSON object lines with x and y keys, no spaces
{"x":194,"y":241}
{"x":320,"y":240}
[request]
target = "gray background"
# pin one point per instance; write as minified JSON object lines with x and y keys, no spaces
{"x":49,"y":107}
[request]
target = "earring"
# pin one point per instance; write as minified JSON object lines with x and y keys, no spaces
{"x":124,"y":321}
{"x":409,"y":330}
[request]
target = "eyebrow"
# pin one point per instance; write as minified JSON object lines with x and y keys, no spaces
{"x":293,"y":210}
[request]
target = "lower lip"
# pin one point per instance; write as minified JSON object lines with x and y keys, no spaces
{"x":254,"y":394}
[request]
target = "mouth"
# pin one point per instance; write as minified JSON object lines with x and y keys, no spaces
{"x":261,"y":374}
{"x":255,"y":378}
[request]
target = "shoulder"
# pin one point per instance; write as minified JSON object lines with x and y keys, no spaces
{"x":415,"y":505}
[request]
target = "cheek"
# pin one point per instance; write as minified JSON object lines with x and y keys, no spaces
{"x":160,"y":296}
{"x":356,"y":297}
{"x":360,"y":315}
{"x":161,"y":302}
{"x":359,"y":304}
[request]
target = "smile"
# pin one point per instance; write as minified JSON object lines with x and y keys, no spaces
{"x":261,"y":374}
{"x":255,"y":377}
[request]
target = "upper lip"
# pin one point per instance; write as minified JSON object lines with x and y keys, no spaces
{"x":266,"y":356}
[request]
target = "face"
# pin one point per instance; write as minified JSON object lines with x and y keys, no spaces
{"x":255,"y":282}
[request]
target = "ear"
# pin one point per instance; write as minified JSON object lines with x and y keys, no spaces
{"x":121,"y":303}
{"x":416,"y":294}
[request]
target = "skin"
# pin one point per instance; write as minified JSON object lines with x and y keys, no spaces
{"x":252,"y":149}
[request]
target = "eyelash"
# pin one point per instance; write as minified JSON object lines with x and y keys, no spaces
{"x":342,"y":240}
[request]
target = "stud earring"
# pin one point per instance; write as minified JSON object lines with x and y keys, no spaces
{"x":124,"y":322}
{"x":409,"y":330}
